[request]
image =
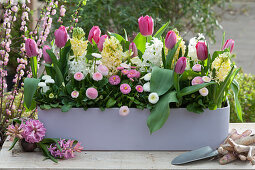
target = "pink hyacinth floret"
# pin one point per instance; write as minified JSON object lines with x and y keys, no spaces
{"x":67,"y":149}
{"x":34,"y":131}
{"x":114,"y":80}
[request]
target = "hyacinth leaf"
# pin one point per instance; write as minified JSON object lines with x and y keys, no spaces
{"x":238,"y":108}
{"x":59,"y":75}
{"x":64,"y":55}
{"x":161,"y":80}
{"x":30,"y":86}
{"x":140,"y":42}
{"x":159,"y":114}
{"x":119,"y":37}
{"x":161,"y":30}
{"x":170,"y":55}
{"x":126,"y":36}
{"x":46,"y":152}
{"x":222,"y":87}
{"x":163,"y":57}
{"x":192,"y":89}
{"x":33,"y":63}
{"x":14,"y":143}
{"x":223,"y":39}
{"x":50,"y":141}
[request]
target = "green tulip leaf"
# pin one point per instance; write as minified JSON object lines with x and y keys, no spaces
{"x":192,"y":89}
{"x":161,"y":80}
{"x":159,"y":114}
{"x":161,"y":30}
{"x":238,"y":108}
{"x":30,"y":86}
{"x":140,"y":42}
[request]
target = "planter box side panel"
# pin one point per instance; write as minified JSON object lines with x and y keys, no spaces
{"x":106,"y":130}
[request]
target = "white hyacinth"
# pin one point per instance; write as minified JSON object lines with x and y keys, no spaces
{"x":153,"y":98}
{"x":153,"y":53}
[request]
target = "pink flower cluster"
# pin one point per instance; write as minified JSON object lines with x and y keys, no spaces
{"x":34,"y":131}
{"x":68,"y":147}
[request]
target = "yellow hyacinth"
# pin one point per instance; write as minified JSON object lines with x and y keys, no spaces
{"x":79,"y":47}
{"x":222,"y":66}
{"x":112,"y":54}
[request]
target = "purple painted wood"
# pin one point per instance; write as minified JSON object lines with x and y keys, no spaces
{"x":106,"y":130}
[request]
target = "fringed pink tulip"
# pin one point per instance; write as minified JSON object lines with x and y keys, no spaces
{"x":229,"y":44}
{"x":46,"y":56}
{"x":180,"y":65}
{"x":94,"y":34}
{"x":202,"y":52}
{"x":101,"y":42}
{"x":146,"y":25}
{"x":60,"y":37}
{"x":170,"y":40}
{"x":133,"y":48}
{"x":31,"y":48}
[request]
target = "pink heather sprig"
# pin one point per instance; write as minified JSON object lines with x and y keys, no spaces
{"x":68,"y":147}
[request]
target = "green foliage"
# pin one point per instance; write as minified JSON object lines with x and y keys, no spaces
{"x":114,"y":15}
{"x":246,"y":98}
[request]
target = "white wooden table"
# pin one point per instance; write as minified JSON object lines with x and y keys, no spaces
{"x":113,"y":159}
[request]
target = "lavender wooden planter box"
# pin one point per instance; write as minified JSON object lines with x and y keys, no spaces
{"x":106,"y":130}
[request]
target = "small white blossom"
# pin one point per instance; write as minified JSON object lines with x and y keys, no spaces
{"x":146,"y":87}
{"x":49,"y":81}
{"x":42,"y":84}
{"x":45,"y":77}
{"x":125,"y":65}
{"x":147,"y":77}
{"x":96,"y":55}
{"x":206,"y":79}
{"x":204,"y":91}
{"x":153,"y":98}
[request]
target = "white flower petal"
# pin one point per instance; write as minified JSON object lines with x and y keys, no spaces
{"x":42,"y":84}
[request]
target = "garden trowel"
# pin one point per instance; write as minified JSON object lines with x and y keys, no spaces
{"x":195,"y":155}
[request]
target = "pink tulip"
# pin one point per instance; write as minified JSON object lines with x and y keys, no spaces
{"x":146,"y":25}
{"x":94,"y":34}
{"x":46,"y":56}
{"x":60,"y":37}
{"x":133,"y":47}
{"x":170,"y":40}
{"x":229,"y":44}
{"x":202,"y":52}
{"x":101,"y":42}
{"x":31,"y":48}
{"x":180,"y":65}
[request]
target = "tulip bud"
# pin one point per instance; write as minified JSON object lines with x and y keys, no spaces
{"x":133,"y":47}
{"x":46,"y":56}
{"x":100,"y":44}
{"x":146,"y":25}
{"x":229,"y":44}
{"x":180,"y":65}
{"x":60,"y":37}
{"x":170,"y":40}
{"x":31,"y":48}
{"x":94,"y":34}
{"x":202,"y":52}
